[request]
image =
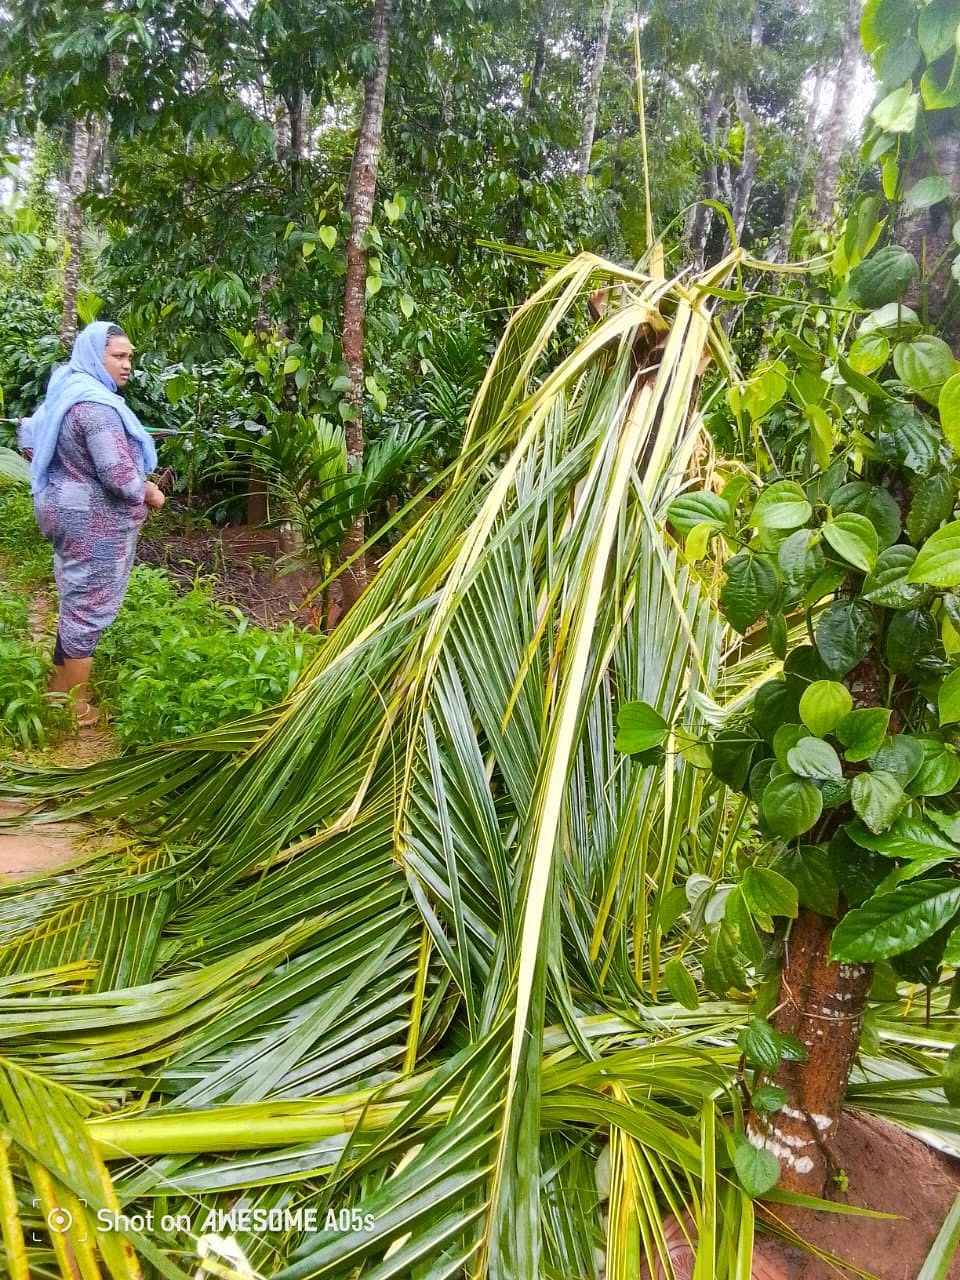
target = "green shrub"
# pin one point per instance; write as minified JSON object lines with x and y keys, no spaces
{"x":26,"y":717}
{"x":173,"y":665}
{"x":26,"y":557}
{"x":14,"y":618}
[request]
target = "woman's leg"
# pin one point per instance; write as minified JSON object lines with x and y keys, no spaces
{"x":77,"y":629}
{"x":70,"y":674}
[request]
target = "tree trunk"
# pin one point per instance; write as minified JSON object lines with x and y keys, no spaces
{"x":823,"y":1004}
{"x":741,"y":188}
{"x":779,"y":250}
{"x":297,"y":108}
{"x":82,"y":152}
{"x":928,"y":233}
{"x":701,"y":217}
{"x":593,"y":90}
{"x":834,"y":132}
{"x":539,"y":54}
{"x":360,"y":196}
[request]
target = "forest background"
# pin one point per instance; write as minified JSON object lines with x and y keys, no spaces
{"x":293,"y":209}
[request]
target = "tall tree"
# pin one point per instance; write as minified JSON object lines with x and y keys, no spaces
{"x":83,"y":150}
{"x":360,"y":197}
{"x":593,"y":90}
{"x":834,"y":134}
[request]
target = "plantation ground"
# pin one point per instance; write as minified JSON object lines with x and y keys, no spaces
{"x":883,"y":1168}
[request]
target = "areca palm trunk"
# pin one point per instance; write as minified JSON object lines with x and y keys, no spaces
{"x":83,"y":149}
{"x":360,"y":197}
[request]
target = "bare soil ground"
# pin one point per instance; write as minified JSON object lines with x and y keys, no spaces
{"x":243,"y":567}
{"x":893,"y":1172}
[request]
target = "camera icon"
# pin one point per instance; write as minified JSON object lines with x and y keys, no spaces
{"x":58,"y":1220}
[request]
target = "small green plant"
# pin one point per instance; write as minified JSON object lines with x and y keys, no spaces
{"x":26,"y":717}
{"x":26,"y":557}
{"x":172,"y":666}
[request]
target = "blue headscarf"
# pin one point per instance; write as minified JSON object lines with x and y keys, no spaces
{"x":83,"y":380}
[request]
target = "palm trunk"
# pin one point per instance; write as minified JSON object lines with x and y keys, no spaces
{"x":593,"y":90}
{"x":360,"y":196}
{"x":834,"y":132}
{"x":823,"y":1004}
{"x":82,"y":153}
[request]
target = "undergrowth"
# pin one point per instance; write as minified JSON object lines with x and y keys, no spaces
{"x":26,"y":718}
{"x":174,"y":665}
{"x":27,"y":559}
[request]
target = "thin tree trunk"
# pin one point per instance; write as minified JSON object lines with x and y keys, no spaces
{"x":297,"y":106}
{"x":83,"y":148}
{"x":701,"y":218}
{"x":539,"y":54}
{"x":833,"y":136}
{"x":742,"y":187}
{"x":593,"y":90}
{"x":360,"y":197}
{"x":779,"y":250}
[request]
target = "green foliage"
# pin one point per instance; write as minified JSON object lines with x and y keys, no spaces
{"x":176,"y":665}
{"x":24,"y":555}
{"x":26,"y":716}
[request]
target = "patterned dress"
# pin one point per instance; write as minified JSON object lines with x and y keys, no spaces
{"x":91,"y":510}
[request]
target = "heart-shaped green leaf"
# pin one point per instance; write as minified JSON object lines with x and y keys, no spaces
{"x":853,"y":538}
{"x":790,"y":805}
{"x":844,"y":633}
{"x":757,"y":1169}
{"x":782,"y":505}
{"x":863,"y":731}
{"x":813,"y":758}
{"x":823,"y":705}
{"x":750,"y":589}
{"x":938,"y":561}
{"x":699,"y":507}
{"x":877,"y":798}
{"x":767,"y":893}
{"x":639,"y":728}
{"x":901,"y":755}
{"x":948,"y":699}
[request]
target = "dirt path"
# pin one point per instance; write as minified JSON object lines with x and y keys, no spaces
{"x":43,"y":847}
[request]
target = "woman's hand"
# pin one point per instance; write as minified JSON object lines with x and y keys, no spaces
{"x":152,"y":495}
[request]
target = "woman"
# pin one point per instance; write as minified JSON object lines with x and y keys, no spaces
{"x":88,"y":472}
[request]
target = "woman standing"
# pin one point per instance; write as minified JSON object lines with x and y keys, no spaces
{"x":88,"y":472}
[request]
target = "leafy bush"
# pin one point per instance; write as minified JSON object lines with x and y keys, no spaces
{"x":26,"y":557}
{"x":173,"y":665}
{"x":29,"y":347}
{"x":25,"y":715}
